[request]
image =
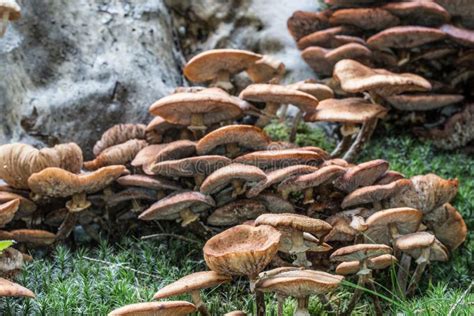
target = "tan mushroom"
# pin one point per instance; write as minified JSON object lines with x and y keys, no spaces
{"x":120,"y":154}
{"x":160,"y":130}
{"x":170,"y":308}
{"x":26,"y":208}
{"x":35,"y":237}
{"x":236,"y":212}
{"x":119,"y":134}
{"x":362,"y":175}
{"x":9,"y":11}
{"x":364,"y":18}
{"x":11,"y":289}
{"x":266,"y":70}
{"x":405,"y":37}
{"x":274,"y":159}
{"x":8,"y":210}
{"x":375,"y":263}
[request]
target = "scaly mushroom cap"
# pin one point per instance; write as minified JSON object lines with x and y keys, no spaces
{"x":170,"y":207}
{"x":138,"y":180}
{"x":246,"y":136}
{"x":302,"y":23}
{"x":12,"y":8}
{"x":279,"y":94}
{"x":288,"y":221}
{"x":19,"y":161}
{"x":236,"y":212}
{"x":459,"y":35}
{"x":448,"y":225}
{"x":434,"y":191}
{"x":423,"y":102}
{"x":276,"y":176}
{"x":315,"y":57}
{"x":30,"y":236}
{"x":11,"y":289}
{"x":354,"y":77}
{"x":242,"y":250}
{"x":189,"y":167}
{"x":389,"y":176}
{"x":348,"y":110}
{"x":207,"y":65}
{"x":299,"y":283}
{"x":120,"y":154}
{"x":170,"y":308}
{"x":266,"y":69}
{"x":374,"y":193}
{"x":405,"y":219}
{"x":362,"y":175}
{"x":56,"y":182}
{"x":375,"y":263}
{"x":275,"y":159}
{"x":147,"y":155}
{"x":317,"y":90}
{"x":341,"y":229}
{"x":223,"y":176}
{"x":26,"y":208}
{"x":178,"y":108}
{"x":119,"y":134}
{"x":425,"y":13}
{"x":365,"y":18}
{"x":405,"y":37}
{"x":8,"y":210}
{"x":324,"y":175}
{"x":193,"y":282}
{"x":413,"y":244}
{"x":360,"y":252}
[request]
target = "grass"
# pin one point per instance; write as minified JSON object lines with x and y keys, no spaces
{"x":95,"y":280}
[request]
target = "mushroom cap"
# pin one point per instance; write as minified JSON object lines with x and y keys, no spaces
{"x":160,"y":125}
{"x":405,"y":37}
{"x":275,"y":203}
{"x":11,"y":289}
{"x":279,"y":175}
{"x":176,"y":150}
{"x":324,"y":175}
{"x":302,"y":23}
{"x":320,"y":37}
{"x":341,"y":229}
{"x":207,"y":65}
{"x":178,"y":108}
{"x":300,"y":283}
{"x":354,"y":51}
{"x":120,"y":154}
{"x":8,"y":210}
{"x":389,"y":176}
{"x":235,"y":313}
{"x":315,"y":57}
{"x":56,"y":182}
{"x":12,"y":8}
{"x":223,"y":176}
{"x":170,"y":206}
{"x":365,"y":18}
{"x":419,"y":12}
{"x":247,"y":136}
{"x":119,"y":134}
{"x":189,"y":167}
{"x":447,"y":225}
{"x":354,"y":77}
{"x":288,"y":221}
{"x":192,"y":282}
{"x":375,"y":263}
{"x":311,"y":242}
{"x":147,"y":155}
{"x":273,"y":159}
{"x":414,"y":243}
{"x":266,"y":69}
{"x":242,"y":250}
{"x":348,"y":110}
{"x":279,"y":94}
{"x":32,"y":236}
{"x":433,"y":191}
{"x":26,"y":208}
{"x":317,"y":90}
{"x":462,"y":36}
{"x":362,"y":175}
{"x":374,"y":193}
{"x":423,"y":102}
{"x":236,"y":212}
{"x":405,"y":219}
{"x":170,"y":308}
{"x":131,"y":194}
{"x":11,"y":260}
{"x":360,"y":252}
{"x":138,"y":180}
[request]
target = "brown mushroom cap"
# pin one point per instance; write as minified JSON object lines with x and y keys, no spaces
{"x":246,"y":136}
{"x":374,"y":193}
{"x":315,"y":57}
{"x":365,"y":18}
{"x":130,"y":194}
{"x":236,"y":212}
{"x":405,"y":219}
{"x":280,"y":158}
{"x":423,"y":102}
{"x":170,"y":207}
{"x":448,"y":225}
{"x":302,"y":23}
{"x":242,"y":250}
{"x":425,"y":13}
{"x":279,"y":94}
{"x":266,"y":69}
{"x":193,"y":282}
{"x":405,"y":37}
{"x":11,"y":289}
{"x":354,"y":51}
{"x":119,"y":154}
{"x":147,"y":155}
{"x":320,"y":37}
{"x":11,"y":260}
{"x":27,"y":207}
{"x":297,"y":222}
{"x":354,"y":77}
{"x":348,"y":110}
{"x":170,"y":308}
{"x":12,"y":8}
{"x":8,"y":210}
{"x":317,"y":90}
{"x":310,"y":180}
{"x":362,"y":175}
{"x":414,"y":243}
{"x":138,"y":180}
{"x":375,"y":263}
{"x":176,"y":150}
{"x":236,"y":171}
{"x":235,"y":313}
{"x":178,"y":108}
{"x":360,"y":252}
{"x":31,"y":236}
{"x":119,"y":134}
{"x":462,"y":36}
{"x":160,"y":125}
{"x":56,"y":182}
{"x":207,"y":65}
{"x":434,"y":191}
{"x":389,"y":176}
{"x":189,"y":167}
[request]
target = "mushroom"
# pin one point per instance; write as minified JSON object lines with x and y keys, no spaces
{"x":459,"y":35}
{"x":11,"y":289}
{"x":274,"y":159}
{"x":9,"y":11}
{"x":147,"y":155}
{"x":235,"y":138}
{"x":8,"y":210}
{"x":183,"y":206}
{"x":299,"y":284}
{"x":321,"y":37}
{"x":11,"y":262}
{"x":266,"y":69}
{"x":120,"y":154}
{"x":217,"y":65}
{"x":170,"y":308}
{"x":317,"y":90}
{"x":292,"y":226}
{"x":26,"y":208}
{"x":362,"y":175}
{"x":389,"y":176}
{"x":119,"y":134}
{"x":34,"y":237}
{"x":361,"y":253}
{"x":235,"y":313}
{"x":405,"y":37}
{"x":302,"y":23}
{"x":160,"y":130}
{"x":243,"y":250}
{"x":347,"y":225}
{"x":375,"y":263}
{"x":364,"y":18}
{"x":193,"y":284}
{"x":236,"y":212}
{"x":423,"y":102}
{"x":424,"y":13}
{"x":239,"y":175}
{"x":138,"y":180}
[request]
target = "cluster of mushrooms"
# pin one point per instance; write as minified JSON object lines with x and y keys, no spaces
{"x":297,"y":210}
{"x":432,"y":39}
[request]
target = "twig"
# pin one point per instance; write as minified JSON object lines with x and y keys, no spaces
{"x":122,"y":265}
{"x":451,"y":310}
{"x":170,"y":235}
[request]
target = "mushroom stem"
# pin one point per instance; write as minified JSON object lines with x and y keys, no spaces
{"x":342,"y":146}
{"x":363,"y":137}
{"x":403,"y":271}
{"x":239,"y":188}
{"x":197,"y":300}
{"x":294,"y":127}
{"x":270,"y":110}
{"x":78,"y":202}
{"x":394,"y":234}
{"x":283,"y":112}
{"x":191,"y":219}
{"x":302,"y":309}
{"x":222,"y":80}
{"x":422,"y":262}
{"x":4,"y":23}
{"x":197,"y":125}
{"x":188,"y":217}
{"x":136,"y":207}
{"x":299,"y":248}
{"x":259,"y":296}
{"x":232,"y":150}
{"x":308,"y":196}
